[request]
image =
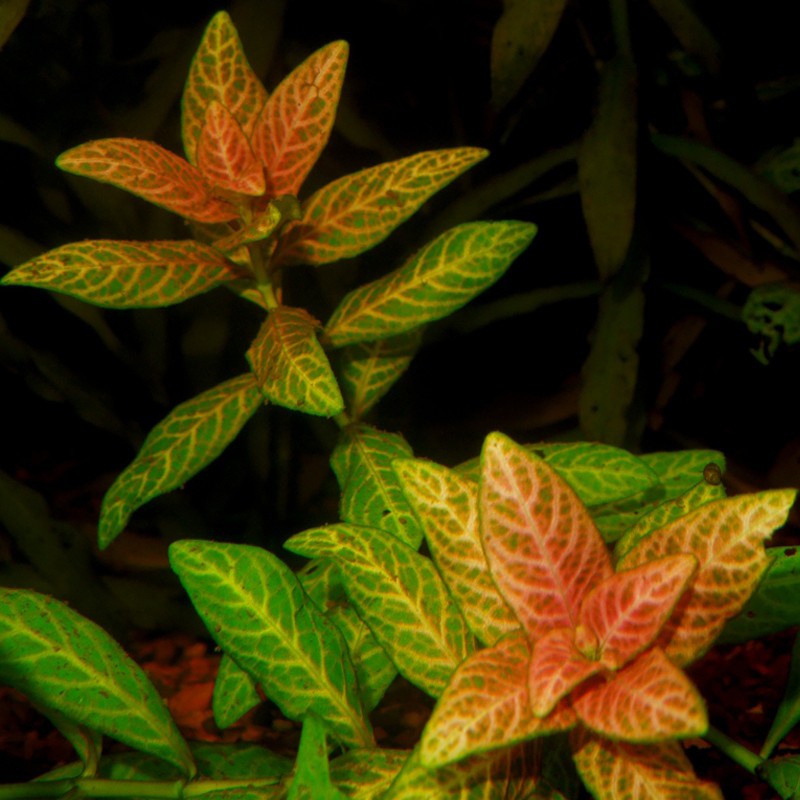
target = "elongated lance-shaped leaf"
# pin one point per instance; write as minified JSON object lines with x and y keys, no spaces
{"x":486,"y":705}
{"x":312,"y":780}
{"x":369,"y":369}
{"x":128,"y":274}
{"x":219,"y":71}
{"x":150,"y":172}
{"x":727,"y":538}
{"x":622,"y":616}
{"x":235,"y":693}
{"x":356,"y":212}
{"x":649,"y":700}
{"x":543,"y":549}
{"x":620,"y":771}
{"x":256,"y":610}
{"x":191,"y":436}
{"x":371,"y":493}
{"x":446,"y":506}
{"x":440,"y":278}
{"x":224,"y":155}
{"x":399,"y":594}
{"x":290,"y":365}
{"x":367,"y":773}
{"x":296,"y":121}
{"x":63,"y":661}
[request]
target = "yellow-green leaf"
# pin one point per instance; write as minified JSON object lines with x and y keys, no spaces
{"x":186,"y":440}
{"x":128,"y":274}
{"x":358,"y":211}
{"x":440,"y":278}
{"x":291,"y":367}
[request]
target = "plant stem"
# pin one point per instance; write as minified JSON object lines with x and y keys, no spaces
{"x":736,"y":752}
{"x":620,"y":22}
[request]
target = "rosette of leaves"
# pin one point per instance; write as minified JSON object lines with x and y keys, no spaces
{"x":247,"y":154}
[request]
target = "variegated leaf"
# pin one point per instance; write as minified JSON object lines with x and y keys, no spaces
{"x":150,"y":172}
{"x":128,"y":274}
{"x":399,"y":594}
{"x":191,"y":436}
{"x":290,"y":365}
{"x":543,"y":549}
{"x":727,"y":538}
{"x":219,"y":71}
{"x":224,"y":155}
{"x":235,"y":693}
{"x":367,"y":774}
{"x":440,"y":278}
{"x":256,"y":610}
{"x":356,"y":212}
{"x":650,"y":700}
{"x":446,"y":506}
{"x":369,"y":369}
{"x":486,"y":705}
{"x":296,"y":121}
{"x":620,"y":771}
{"x":622,"y":616}
{"x":371,"y":494}
{"x":680,"y":470}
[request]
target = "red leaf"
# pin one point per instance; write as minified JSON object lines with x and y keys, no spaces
{"x":150,"y":172}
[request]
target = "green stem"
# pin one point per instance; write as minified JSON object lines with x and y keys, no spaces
{"x":620,"y":22}
{"x":261,"y":272}
{"x":735,"y":752}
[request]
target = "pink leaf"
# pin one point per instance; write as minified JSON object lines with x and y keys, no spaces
{"x":543,"y":549}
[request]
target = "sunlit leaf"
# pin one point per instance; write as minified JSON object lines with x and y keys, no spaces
{"x":631,"y":772}
{"x":371,"y":494}
{"x":256,"y":610}
{"x":63,"y":661}
{"x":311,"y":779}
{"x":290,"y":365}
{"x":191,"y":436}
{"x":543,"y":549}
{"x":128,"y":274}
{"x":356,"y":212}
{"x":296,"y":121}
{"x":727,"y":538}
{"x":224,"y":155}
{"x":150,"y":172}
{"x":220,"y":72}
{"x":486,"y":705}
{"x":235,"y":693}
{"x":622,"y":616}
{"x":400,"y":595}
{"x":446,"y":506}
{"x":369,"y":369}
{"x":443,"y":276}
{"x":647,"y":701}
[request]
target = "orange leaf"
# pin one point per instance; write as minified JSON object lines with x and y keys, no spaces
{"x":296,"y":121}
{"x":150,"y":172}
{"x":358,"y":211}
{"x":224,"y":155}
{"x":486,"y":705}
{"x":648,"y":701}
{"x":727,"y":538}
{"x":556,"y":668}
{"x":220,"y":72}
{"x":623,"y":615}
{"x":543,"y":549}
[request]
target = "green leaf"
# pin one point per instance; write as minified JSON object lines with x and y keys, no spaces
{"x":63,"y":661}
{"x":191,"y":436}
{"x":679,"y":471}
{"x":230,"y":760}
{"x":788,"y":713}
{"x":312,"y":780}
{"x":235,"y":693}
{"x":607,"y":166}
{"x":367,"y":774}
{"x":519,"y":40}
{"x":257,"y":612}
{"x":371,"y":494}
{"x":443,"y":276}
{"x":290,"y":365}
{"x":128,"y":274}
{"x":358,"y":211}
{"x":369,"y":369}
{"x":782,"y":774}
{"x":399,"y":594}
{"x":690,"y":31}
{"x":774,"y":605}
{"x":219,"y":72}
